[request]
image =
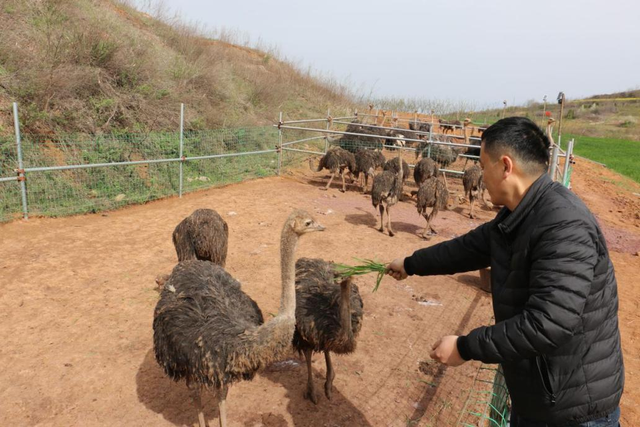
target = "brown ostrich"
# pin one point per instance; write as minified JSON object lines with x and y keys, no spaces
{"x":386,"y":191}
{"x":473,"y":187}
{"x":367,"y":161}
{"x":432,"y":194}
{"x":337,"y":160}
{"x":393,"y":165}
{"x":203,"y":235}
{"x":209,"y":332}
{"x":425,"y":169}
{"x":328,"y":317}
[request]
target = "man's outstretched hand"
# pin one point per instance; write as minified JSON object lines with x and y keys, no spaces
{"x":395,"y":269}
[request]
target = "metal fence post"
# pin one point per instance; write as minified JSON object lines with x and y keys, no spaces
{"x":567,"y":163}
{"x":326,"y":135}
{"x":181,"y":145}
{"x":279,"y":148}
{"x":20,"y":171}
{"x":554,"y":162}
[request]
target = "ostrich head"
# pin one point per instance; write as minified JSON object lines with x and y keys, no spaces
{"x":302,"y":222}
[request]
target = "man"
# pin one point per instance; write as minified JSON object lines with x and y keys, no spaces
{"x":554,"y":290}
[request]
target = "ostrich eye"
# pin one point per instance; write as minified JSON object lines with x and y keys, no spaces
{"x":308,"y":223}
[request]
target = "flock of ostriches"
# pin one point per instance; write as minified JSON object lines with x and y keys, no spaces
{"x":210,"y":333}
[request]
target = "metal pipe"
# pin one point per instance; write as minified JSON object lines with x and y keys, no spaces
{"x":554,"y":160}
{"x":143,"y":162}
{"x":181,"y":145}
{"x":453,"y":144}
{"x":304,"y":151}
{"x":302,"y":140}
{"x":567,"y":162}
{"x":21,"y":173}
{"x":326,"y":137}
{"x":9,"y":178}
{"x":279,"y":150}
{"x":345,"y":118}
{"x":99,"y":165}
{"x":289,"y":122}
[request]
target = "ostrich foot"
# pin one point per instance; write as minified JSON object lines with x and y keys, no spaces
{"x":381,"y":230}
{"x":311,"y":395}
{"x":391,"y":233}
{"x":328,"y":389}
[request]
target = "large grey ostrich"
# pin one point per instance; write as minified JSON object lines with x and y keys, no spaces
{"x":328,"y":317}
{"x":473,"y":187}
{"x":203,"y":235}
{"x":432,"y":194}
{"x":367,"y":161}
{"x":386,"y":191}
{"x":337,"y":160}
{"x":425,"y":169}
{"x":209,"y":332}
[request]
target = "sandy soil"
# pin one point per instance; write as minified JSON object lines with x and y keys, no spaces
{"x":77,"y":299}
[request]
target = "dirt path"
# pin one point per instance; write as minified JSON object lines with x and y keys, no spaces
{"x":77,"y":300}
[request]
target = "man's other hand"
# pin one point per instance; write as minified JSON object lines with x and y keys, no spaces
{"x":446,"y":351}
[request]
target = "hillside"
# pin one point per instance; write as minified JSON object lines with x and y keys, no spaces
{"x":602,"y":116}
{"x":101,"y":66}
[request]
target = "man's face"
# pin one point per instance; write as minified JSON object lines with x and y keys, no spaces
{"x":493,"y":176}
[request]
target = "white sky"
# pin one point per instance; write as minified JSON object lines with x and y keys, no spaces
{"x":478,"y":51}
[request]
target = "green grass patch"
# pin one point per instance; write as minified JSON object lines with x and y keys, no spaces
{"x":623,"y":156}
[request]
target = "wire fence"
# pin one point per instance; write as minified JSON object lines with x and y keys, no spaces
{"x":71,"y":174}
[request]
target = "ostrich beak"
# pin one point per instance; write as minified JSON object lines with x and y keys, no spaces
{"x":318,"y":227}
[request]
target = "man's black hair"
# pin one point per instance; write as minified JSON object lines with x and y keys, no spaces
{"x":521,"y":138}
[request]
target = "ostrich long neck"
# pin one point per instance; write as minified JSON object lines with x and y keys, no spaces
{"x":345,"y":309}
{"x":288,"y":243}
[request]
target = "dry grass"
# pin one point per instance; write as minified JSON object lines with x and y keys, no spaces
{"x":90,"y":67}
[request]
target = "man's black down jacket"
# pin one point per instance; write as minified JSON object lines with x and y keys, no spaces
{"x":555,"y":302}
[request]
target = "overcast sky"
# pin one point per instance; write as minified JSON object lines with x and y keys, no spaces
{"x":479,"y":51}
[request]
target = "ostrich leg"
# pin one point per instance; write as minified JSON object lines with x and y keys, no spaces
{"x":391,"y":233}
{"x":381,"y":229}
{"x":343,"y":186}
{"x":472,"y":202}
{"x":222,"y":405}
{"x":328,"y":385}
{"x":195,"y":394}
{"x":330,"y":179}
{"x":311,"y":392}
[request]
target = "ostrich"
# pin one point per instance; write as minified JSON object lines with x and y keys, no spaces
{"x":386,"y":191}
{"x":473,"y":186}
{"x":472,"y":151}
{"x":328,"y":317}
{"x":337,"y":159}
{"x":425,"y":169}
{"x":366,"y":163}
{"x":432,"y":194}
{"x":209,"y":332}
{"x":393,"y":165}
{"x":203,"y":235}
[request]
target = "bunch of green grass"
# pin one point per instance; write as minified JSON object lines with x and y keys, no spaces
{"x":368,"y":266}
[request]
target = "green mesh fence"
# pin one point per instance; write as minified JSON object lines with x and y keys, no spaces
{"x":81,"y":190}
{"x":488,"y":401}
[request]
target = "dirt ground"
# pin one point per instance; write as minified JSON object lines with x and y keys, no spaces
{"x":77,"y":299}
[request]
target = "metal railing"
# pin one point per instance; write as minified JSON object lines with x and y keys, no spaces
{"x":61,"y":174}
{"x":426,"y":144}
